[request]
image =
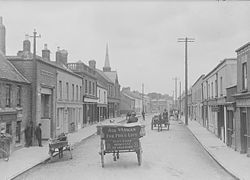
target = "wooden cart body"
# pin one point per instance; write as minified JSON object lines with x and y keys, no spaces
{"x":117,"y":138}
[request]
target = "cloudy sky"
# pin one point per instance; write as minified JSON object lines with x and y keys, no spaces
{"x":142,"y":35}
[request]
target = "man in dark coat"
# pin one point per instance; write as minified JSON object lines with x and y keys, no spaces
{"x":28,"y":132}
{"x":38,"y":133}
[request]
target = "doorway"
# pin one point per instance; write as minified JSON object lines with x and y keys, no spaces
{"x":243,"y":129}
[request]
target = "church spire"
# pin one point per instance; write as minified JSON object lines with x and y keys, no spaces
{"x":107,"y":67}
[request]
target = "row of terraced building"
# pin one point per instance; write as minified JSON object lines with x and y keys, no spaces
{"x":62,"y":96}
{"x":220,"y":100}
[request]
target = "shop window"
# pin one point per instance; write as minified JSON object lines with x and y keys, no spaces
{"x":19,"y":96}
{"x":8,"y":128}
{"x":18,"y":131}
{"x":8,"y":95}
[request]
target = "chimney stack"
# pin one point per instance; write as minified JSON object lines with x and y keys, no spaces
{"x":92,"y":64}
{"x":61,"y":56}
{"x":46,"y":53}
{"x":26,"y":44}
{"x":2,"y":36}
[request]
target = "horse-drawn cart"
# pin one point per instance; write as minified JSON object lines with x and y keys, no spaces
{"x":158,"y":121}
{"x":118,"y":138}
{"x":59,"y":145}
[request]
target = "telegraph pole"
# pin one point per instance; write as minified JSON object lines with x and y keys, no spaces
{"x":186,"y":40}
{"x":180,"y":100}
{"x":34,"y":75}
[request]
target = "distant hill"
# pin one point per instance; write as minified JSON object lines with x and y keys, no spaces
{"x":155,"y":95}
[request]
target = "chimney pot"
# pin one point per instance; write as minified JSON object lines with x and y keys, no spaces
{"x":46,"y":53}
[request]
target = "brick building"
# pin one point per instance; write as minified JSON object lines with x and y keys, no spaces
{"x":42,"y":75}
{"x":243,"y":100}
{"x":15,"y":103}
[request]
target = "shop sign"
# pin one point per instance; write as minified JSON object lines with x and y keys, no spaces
{"x":215,"y":108}
{"x":121,"y":138}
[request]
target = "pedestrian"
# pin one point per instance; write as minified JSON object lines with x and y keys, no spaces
{"x":38,"y":133}
{"x":143,"y":115}
{"x":28,"y":133}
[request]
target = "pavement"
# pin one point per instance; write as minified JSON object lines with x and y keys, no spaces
{"x":28,"y":157}
{"x":232,"y":161}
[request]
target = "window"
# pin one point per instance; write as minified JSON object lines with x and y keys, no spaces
{"x":73,"y":92}
{"x":67,"y":90}
{"x":221,"y":87}
{"x":99,"y":95}
{"x":93,"y":88}
{"x":60,"y":89}
{"x":45,"y":106}
{"x":86,"y":86}
{"x":18,"y":131}
{"x":104,"y":96}
{"x":77,"y":95}
{"x":244,"y":76}
{"x":8,"y":94}
{"x":60,"y":112}
{"x":19,"y":96}
{"x":89,"y":87}
{"x":216,"y":86}
{"x":80,"y":92}
{"x":212,"y":90}
{"x":208,"y":91}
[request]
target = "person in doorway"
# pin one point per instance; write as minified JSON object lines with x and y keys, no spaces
{"x":38,"y":133}
{"x":28,"y":132}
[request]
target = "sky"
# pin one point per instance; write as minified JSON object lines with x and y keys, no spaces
{"x":141,"y":35}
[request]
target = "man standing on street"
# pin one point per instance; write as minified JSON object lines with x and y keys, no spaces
{"x":28,"y":134}
{"x":38,"y":133}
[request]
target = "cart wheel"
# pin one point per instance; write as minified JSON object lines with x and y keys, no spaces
{"x":71,"y":157}
{"x":51,"y":155}
{"x":139,"y":155}
{"x":102,"y":153}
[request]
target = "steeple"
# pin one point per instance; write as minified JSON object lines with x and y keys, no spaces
{"x":107,"y":67}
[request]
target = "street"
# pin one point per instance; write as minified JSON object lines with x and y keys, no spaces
{"x":173,"y":154}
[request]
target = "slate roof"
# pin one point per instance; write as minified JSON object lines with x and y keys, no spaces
{"x":9,"y":72}
{"x":132,"y":94}
{"x":104,"y":76}
{"x":111,"y":75}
